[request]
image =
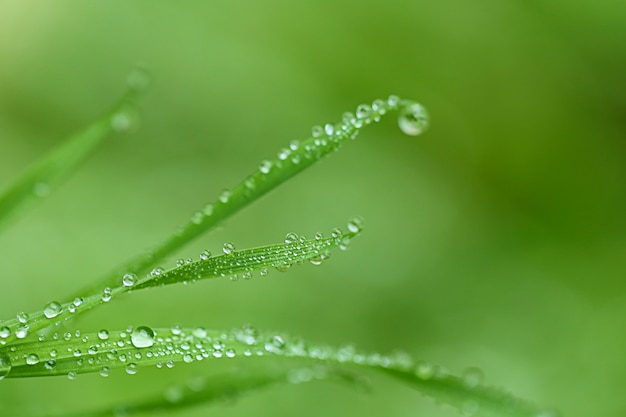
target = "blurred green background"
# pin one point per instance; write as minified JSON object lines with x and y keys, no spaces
{"x":496,"y":240}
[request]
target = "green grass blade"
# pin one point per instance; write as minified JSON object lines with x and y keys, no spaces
{"x":71,"y":354}
{"x":290,"y":161}
{"x":49,"y":172}
{"x":215,"y":389}
{"x":233,"y":265}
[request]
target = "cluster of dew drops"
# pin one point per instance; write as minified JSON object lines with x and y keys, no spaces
{"x":413,"y":120}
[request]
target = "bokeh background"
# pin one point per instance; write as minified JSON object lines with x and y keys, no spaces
{"x":495,"y":240}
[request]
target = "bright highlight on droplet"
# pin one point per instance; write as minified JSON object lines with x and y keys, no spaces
{"x":413,"y":119}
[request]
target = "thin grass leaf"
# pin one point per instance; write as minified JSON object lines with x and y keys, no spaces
{"x":137,"y":347}
{"x":291,"y":160}
{"x":232,"y":265}
{"x":45,"y":175}
{"x":222,"y":388}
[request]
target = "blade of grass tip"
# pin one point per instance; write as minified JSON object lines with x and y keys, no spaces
{"x":291,"y":160}
{"x":48,"y":172}
{"x":232,"y":264}
{"x":72,"y":354}
{"x":227,"y":387}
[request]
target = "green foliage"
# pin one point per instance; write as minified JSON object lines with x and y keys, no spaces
{"x":32,"y":346}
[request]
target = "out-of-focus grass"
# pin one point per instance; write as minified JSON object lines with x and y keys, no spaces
{"x":504,"y":224}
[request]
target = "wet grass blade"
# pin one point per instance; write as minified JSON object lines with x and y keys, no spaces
{"x":233,"y":265}
{"x":137,"y":347}
{"x":290,"y":161}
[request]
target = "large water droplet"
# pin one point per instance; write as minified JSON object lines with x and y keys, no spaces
{"x":52,"y":309}
{"x":22,"y":317}
{"x":5,"y":332}
{"x":129,"y":279}
{"x":131,"y":368}
{"x":103,"y":334}
{"x":413,"y":119}
{"x":32,"y":359}
{"x":142,"y":337}
{"x":228,"y":248}
{"x":5,"y":365}
{"x":472,"y":377}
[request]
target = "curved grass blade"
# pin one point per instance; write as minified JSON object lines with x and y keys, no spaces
{"x":142,"y":346}
{"x":208,"y":390}
{"x":290,"y":161}
{"x":232,"y":265}
{"x":216,"y":389}
{"x":47,"y":173}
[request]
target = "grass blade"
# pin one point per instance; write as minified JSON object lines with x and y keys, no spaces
{"x":234,"y":264}
{"x":48,"y":173}
{"x":290,"y":161}
{"x":142,"y":346}
{"x":214,"y":389}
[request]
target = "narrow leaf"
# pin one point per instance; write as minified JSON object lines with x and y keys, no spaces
{"x":232,"y":265}
{"x":45,"y":175}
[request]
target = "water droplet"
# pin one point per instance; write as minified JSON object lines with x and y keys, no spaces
{"x":291,"y":238}
{"x":22,"y":331}
{"x":50,"y":364}
{"x":106,"y":295}
{"x":104,"y":371}
{"x":336,"y":233}
{"x":230,"y":353}
{"x":52,"y":309}
{"x":205,"y":254}
{"x":284,"y":154}
{"x":425,"y":370}
{"x":5,"y":332}
{"x":393,"y":101}
{"x":142,"y":337}
{"x":32,"y":359}
{"x":78,"y":301}
{"x":472,"y":377}
{"x":208,"y":210}
{"x":103,"y":334}
{"x":22,"y":317}
{"x":131,"y":368}
{"x":225,"y":196}
{"x":379,"y":106}
{"x":188,"y":358}
{"x":121,"y":122}
{"x":363,"y":111}
{"x":329,"y":129}
{"x":157,"y":272}
{"x":413,"y":119}
{"x":199,"y":332}
{"x":265,"y":167}
{"x":228,"y":248}
{"x":197,"y":217}
{"x":317,"y":131}
{"x":276,"y":345}
{"x":72,"y":375}
{"x":129,"y":279}
{"x":263,"y":272}
{"x":355,"y":225}
{"x":294,"y":144}
{"x":5,"y":365}
{"x":176,"y":330}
